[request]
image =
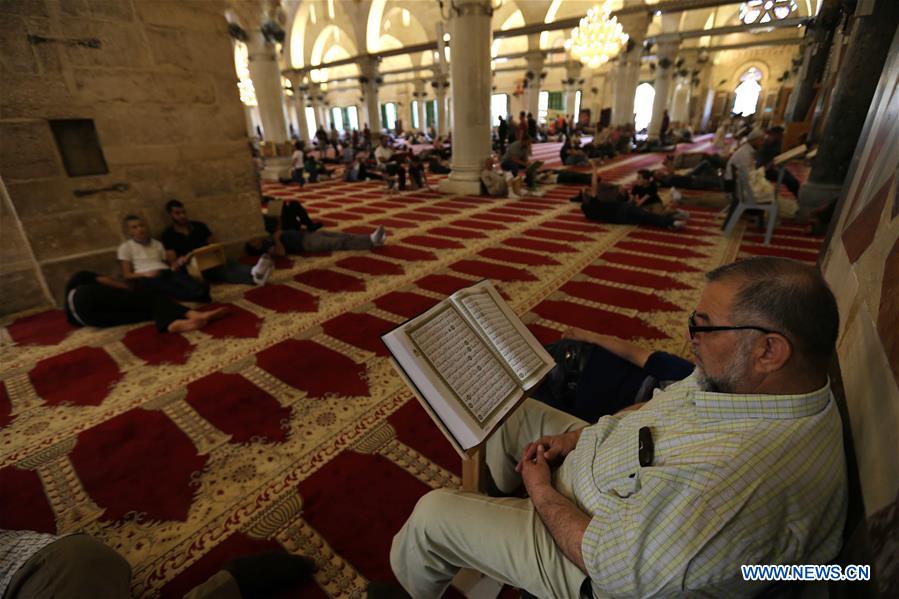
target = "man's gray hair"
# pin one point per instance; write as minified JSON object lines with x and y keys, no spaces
{"x":786,"y":296}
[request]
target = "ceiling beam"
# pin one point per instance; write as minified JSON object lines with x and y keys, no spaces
{"x":682,"y":35}
{"x":667,"y":6}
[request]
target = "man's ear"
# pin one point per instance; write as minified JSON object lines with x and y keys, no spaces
{"x":775,"y":353}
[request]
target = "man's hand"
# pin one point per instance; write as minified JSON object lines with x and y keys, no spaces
{"x":534,"y":471}
{"x":553,"y":447}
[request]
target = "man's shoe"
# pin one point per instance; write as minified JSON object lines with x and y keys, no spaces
{"x":386,"y":590}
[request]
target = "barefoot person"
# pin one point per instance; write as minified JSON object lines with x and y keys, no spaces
{"x":94,"y":300}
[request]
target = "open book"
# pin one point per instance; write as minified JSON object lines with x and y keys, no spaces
{"x":469,"y":360}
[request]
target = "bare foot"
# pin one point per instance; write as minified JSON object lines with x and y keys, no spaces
{"x":185,"y":325}
{"x":204,"y":318}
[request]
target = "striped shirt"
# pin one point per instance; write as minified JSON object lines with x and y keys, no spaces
{"x":735,"y":479}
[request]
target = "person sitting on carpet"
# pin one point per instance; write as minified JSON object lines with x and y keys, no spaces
{"x":93,"y":300}
{"x":297,"y":163}
{"x":496,"y":183}
{"x":740,"y":463}
{"x":417,"y":172}
{"x":390,"y":162}
{"x":571,"y":153}
{"x":78,"y":565}
{"x":518,"y":158}
{"x":183,"y":236}
{"x":142,"y":260}
{"x":316,"y":168}
{"x":283,"y":242}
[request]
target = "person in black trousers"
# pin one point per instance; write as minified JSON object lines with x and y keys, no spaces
{"x":99,"y":301}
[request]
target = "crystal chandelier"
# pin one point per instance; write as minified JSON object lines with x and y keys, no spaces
{"x":597,"y":38}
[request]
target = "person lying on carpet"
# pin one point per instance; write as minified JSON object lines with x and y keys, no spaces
{"x":282,"y":242}
{"x":698,"y":171}
{"x":183,"y":236}
{"x":78,"y":565}
{"x":294,"y":217}
{"x":94,"y":300}
{"x":644,"y":193}
{"x":607,"y":203}
{"x":740,"y":463}
{"x":142,"y":260}
{"x":596,"y":375}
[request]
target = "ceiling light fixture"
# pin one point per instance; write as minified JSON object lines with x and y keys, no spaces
{"x":598,"y":37}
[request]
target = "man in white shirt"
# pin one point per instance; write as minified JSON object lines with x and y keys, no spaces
{"x":142,"y":260}
{"x":386,"y":158}
{"x":297,"y":159}
{"x":744,"y":157}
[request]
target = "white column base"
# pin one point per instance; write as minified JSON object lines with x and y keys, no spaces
{"x":460,"y":186}
{"x":275,"y":168}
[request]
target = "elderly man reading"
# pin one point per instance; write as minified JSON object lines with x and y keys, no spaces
{"x":740,"y":463}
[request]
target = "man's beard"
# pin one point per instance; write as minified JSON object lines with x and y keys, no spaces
{"x":734,"y":375}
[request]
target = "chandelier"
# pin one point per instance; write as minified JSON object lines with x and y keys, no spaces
{"x":597,"y":38}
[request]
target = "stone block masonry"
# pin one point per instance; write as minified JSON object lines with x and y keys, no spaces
{"x":157,"y":78}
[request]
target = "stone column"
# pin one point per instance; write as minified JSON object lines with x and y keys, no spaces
{"x":627,"y":71}
{"x":535,"y":67}
{"x":470,"y":71}
{"x":440,"y":85}
{"x":572,"y":76}
{"x":299,"y":96}
{"x":857,"y":81}
{"x":420,"y":95}
{"x":369,"y":82}
{"x":315,"y":100}
{"x":665,"y":53}
{"x":266,"y":77}
{"x":817,"y":46}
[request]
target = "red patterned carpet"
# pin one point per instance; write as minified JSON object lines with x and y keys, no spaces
{"x":284,"y":424}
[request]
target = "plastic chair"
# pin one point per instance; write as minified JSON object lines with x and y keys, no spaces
{"x":743,"y":200}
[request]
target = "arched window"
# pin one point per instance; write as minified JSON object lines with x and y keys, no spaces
{"x":748,"y":92}
{"x":643,"y":99}
{"x":765,"y":11}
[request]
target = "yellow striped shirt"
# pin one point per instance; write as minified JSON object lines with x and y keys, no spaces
{"x":736,"y":479}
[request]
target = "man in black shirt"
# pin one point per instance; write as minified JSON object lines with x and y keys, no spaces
{"x":184,"y":236}
{"x":645,"y":192}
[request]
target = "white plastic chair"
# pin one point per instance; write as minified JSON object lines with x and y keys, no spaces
{"x":743,"y":200}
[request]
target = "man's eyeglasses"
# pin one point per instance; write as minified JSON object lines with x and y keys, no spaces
{"x":694,"y":328}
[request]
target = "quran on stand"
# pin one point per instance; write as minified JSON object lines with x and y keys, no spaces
{"x":469,"y":360}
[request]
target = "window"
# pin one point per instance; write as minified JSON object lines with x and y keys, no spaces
{"x":242,"y":68}
{"x":388,"y":115}
{"x":499,"y":106}
{"x":542,"y":106}
{"x":310,"y":122}
{"x":431,"y":113}
{"x":765,"y":11}
{"x":577,"y":105}
{"x":79,"y":146}
{"x":415,"y":124}
{"x":337,"y":118}
{"x":643,"y":100}
{"x":352,"y":117}
{"x":556,"y":101}
{"x":747,"y":93}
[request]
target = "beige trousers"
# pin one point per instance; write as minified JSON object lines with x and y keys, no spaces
{"x":503,"y":538}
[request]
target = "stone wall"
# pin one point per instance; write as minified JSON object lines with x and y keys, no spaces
{"x":157,"y":77}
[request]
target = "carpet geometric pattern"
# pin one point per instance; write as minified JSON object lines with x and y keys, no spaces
{"x":284,"y":424}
